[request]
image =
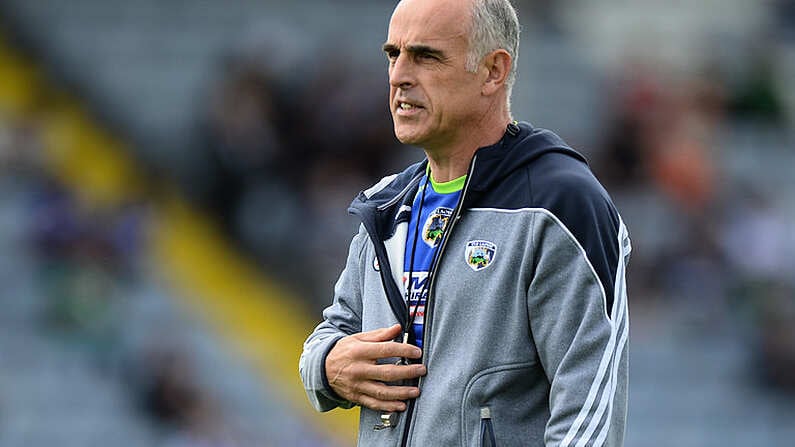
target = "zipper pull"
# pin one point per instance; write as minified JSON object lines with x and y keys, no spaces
{"x":388,"y":420}
{"x":403,"y":360}
{"x":485,"y":413}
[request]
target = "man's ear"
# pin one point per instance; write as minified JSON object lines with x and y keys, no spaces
{"x":498,"y":66}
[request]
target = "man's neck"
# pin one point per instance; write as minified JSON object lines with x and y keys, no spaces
{"x":449,"y":166}
{"x":452,"y":161}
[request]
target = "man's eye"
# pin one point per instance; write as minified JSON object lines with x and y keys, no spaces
{"x":392,"y":55}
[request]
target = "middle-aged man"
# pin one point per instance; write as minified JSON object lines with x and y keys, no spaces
{"x":483,"y":301}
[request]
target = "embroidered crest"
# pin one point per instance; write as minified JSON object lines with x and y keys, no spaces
{"x":376,"y":264}
{"x":434,"y":226}
{"x":480,"y":254}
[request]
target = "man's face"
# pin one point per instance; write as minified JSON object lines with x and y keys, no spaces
{"x":432,"y":96}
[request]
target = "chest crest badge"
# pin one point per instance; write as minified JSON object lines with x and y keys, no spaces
{"x":434,"y":226}
{"x":480,"y":254}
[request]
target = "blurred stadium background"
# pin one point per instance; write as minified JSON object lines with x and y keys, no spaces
{"x":174,"y":176}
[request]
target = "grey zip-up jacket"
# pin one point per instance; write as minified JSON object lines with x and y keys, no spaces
{"x":526,"y":323}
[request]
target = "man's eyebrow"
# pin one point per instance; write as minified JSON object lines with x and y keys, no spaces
{"x":415,"y":49}
{"x":388,"y":48}
{"x":425,"y":49}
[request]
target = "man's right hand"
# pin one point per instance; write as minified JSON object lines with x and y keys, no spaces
{"x":353,"y":372}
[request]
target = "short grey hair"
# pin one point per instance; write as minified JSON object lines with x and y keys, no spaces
{"x":494,"y":26}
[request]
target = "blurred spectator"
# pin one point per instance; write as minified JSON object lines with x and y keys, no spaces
{"x":636,"y":104}
{"x":83,"y":257}
{"x":662,"y":132}
{"x":242,"y":139}
{"x":759,"y":246}
{"x":254,"y":182}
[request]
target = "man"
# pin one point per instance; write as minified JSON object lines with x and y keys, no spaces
{"x":483,"y":301}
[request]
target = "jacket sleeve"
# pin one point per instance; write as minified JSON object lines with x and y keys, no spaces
{"x":580,"y":324}
{"x":340,"y":319}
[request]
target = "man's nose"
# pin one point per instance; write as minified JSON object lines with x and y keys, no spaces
{"x":401,"y":72}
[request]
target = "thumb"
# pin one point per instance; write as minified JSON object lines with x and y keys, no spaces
{"x":383,"y":334}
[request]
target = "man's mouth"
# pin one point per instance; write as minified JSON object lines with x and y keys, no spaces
{"x":407,"y":106}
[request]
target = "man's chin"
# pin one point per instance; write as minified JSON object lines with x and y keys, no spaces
{"x":409,"y":136}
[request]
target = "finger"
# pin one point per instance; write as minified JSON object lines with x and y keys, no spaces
{"x":383,"y":392}
{"x":387,"y":349}
{"x":393,"y":373}
{"x":383,"y":334}
{"x":390,"y":406}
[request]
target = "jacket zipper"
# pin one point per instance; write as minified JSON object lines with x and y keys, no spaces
{"x":393,"y":296}
{"x":428,"y":302}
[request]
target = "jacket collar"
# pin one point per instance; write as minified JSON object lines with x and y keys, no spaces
{"x":519,"y":146}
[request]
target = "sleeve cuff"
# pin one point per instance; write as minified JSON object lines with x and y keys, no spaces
{"x":326,"y":385}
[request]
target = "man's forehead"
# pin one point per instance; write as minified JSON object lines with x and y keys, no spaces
{"x":425,"y":22}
